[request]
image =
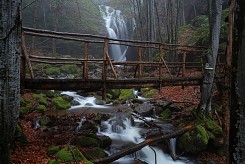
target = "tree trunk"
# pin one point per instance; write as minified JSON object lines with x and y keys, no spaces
{"x":211,"y":56}
{"x":237,"y":129}
{"x":10,"y":33}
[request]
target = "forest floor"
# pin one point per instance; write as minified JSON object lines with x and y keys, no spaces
{"x":35,"y":152}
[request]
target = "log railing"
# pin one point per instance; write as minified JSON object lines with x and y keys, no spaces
{"x":161,"y":65}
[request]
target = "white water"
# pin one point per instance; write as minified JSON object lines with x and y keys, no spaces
{"x":117,"y":29}
{"x":121,"y":131}
{"x":83,"y":101}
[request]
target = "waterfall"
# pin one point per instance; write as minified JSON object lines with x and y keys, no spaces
{"x":115,"y":24}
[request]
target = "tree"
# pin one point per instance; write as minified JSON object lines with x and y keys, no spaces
{"x":237,"y":106}
{"x":211,"y":56}
{"x":10,"y":25}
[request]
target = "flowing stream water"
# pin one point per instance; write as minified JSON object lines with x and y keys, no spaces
{"x":125,"y":131}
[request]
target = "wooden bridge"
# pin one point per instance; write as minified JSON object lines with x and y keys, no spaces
{"x":103,"y":73}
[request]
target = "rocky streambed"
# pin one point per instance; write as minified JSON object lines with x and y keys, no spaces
{"x":72,"y":131}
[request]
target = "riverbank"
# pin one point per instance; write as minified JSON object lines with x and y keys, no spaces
{"x":40,"y":139}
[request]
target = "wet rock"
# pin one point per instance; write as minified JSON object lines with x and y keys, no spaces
{"x":144,"y":109}
{"x":74,"y":103}
{"x":89,"y":125}
{"x":94,"y":153}
{"x":104,"y":141}
{"x":99,"y":102}
{"x":84,"y":141}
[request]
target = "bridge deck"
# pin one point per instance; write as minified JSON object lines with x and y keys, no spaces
{"x":97,"y":84}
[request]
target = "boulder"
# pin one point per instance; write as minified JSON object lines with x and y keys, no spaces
{"x":84,"y":141}
{"x":60,"y":103}
{"x":194,"y":141}
{"x":94,"y":153}
{"x":144,"y":109}
{"x":68,"y":153}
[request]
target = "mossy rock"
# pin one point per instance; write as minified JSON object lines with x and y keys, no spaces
{"x":52,"y":71}
{"x":67,"y":154}
{"x":166,"y":114}
{"x":194,"y":141}
{"x":24,"y":110}
{"x":94,"y":153}
{"x":104,"y":141}
{"x":126,"y":94}
{"x":20,"y":137}
{"x":60,"y":103}
{"x":213,"y":127}
{"x":41,"y":108}
{"x":69,"y":69}
{"x":44,"y":120}
{"x":53,"y":150}
{"x":54,"y":162}
{"x":41,"y":98}
{"x":149,"y":93}
{"x":66,"y":97}
{"x":114,"y":93}
{"x":52,"y":94}
{"x":84,"y":141}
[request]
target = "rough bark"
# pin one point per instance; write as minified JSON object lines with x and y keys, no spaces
{"x":237,"y":129}
{"x":211,"y":56}
{"x":10,"y":24}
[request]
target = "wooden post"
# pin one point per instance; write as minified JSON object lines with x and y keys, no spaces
{"x":183,"y":65}
{"x":85,"y":66}
{"x":104,"y":70}
{"x":26,"y":55}
{"x":160,"y":67}
{"x":139,"y":62}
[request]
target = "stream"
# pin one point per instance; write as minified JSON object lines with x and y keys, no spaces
{"x":127,"y":131}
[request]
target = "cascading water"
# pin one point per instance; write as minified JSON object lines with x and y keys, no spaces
{"x":117,"y":29}
{"x":121,"y":131}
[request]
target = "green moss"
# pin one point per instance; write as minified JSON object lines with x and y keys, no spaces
{"x":53,"y":149}
{"x":166,"y":114}
{"x":20,"y":137}
{"x":212,"y":126}
{"x":41,"y":98}
{"x":149,"y":93}
{"x":126,"y":94}
{"x":66,"y":97}
{"x":60,"y":103}
{"x":54,"y":162}
{"x":69,"y":69}
{"x":44,"y":120}
{"x":52,"y":71}
{"x":24,"y":111}
{"x":86,"y":142}
{"x":195,"y":140}
{"x":41,"y":108}
{"x":114,"y":93}
{"x":66,"y":155}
